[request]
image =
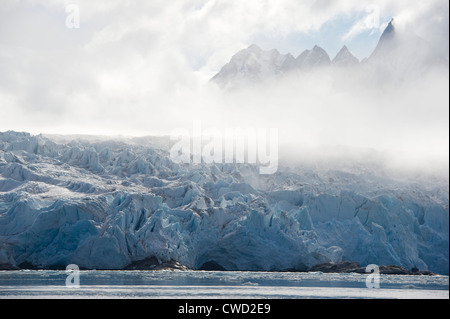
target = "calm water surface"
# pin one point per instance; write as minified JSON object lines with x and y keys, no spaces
{"x":204,"y":284}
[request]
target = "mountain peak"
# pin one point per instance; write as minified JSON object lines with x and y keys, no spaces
{"x":254,"y":48}
{"x":389,"y":31}
{"x":254,"y":65}
{"x":396,"y":52}
{"x":312,"y":58}
{"x":386,"y":40}
{"x":392,"y":23}
{"x":345,"y":58}
{"x":318,"y":49}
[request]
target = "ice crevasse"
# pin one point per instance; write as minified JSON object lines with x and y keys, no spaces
{"x":104,"y":204}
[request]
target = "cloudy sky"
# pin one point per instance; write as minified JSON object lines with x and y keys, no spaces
{"x":138,"y":67}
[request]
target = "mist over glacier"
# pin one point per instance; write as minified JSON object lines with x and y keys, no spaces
{"x":88,"y":81}
{"x":106,"y":203}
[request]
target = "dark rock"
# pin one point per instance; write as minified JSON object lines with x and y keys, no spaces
{"x":425,"y":273}
{"x":27,"y":265}
{"x":397,"y":270}
{"x":171,"y":265}
{"x":296,"y":269}
{"x":342,"y":267}
{"x":361,"y":270}
{"x":212,"y":266}
{"x":56,"y":267}
{"x":144,"y":264}
{"x":354,"y":267}
{"x":152,"y":263}
{"x":394,"y":270}
{"x":8,"y":267}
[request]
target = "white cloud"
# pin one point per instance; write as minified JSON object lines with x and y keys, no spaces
{"x":370,"y":21}
{"x":134,"y":64}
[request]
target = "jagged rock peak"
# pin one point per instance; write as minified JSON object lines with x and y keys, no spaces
{"x":345,"y":58}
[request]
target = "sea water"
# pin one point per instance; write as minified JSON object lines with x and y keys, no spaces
{"x":205,"y":284}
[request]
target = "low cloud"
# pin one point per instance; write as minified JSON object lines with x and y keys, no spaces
{"x":142,"y":67}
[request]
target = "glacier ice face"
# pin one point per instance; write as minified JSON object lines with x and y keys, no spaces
{"x":107,"y":203}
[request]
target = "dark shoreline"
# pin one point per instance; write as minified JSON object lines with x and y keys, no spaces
{"x":328,"y":268}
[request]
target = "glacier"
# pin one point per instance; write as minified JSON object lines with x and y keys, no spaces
{"x":104,"y":203}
